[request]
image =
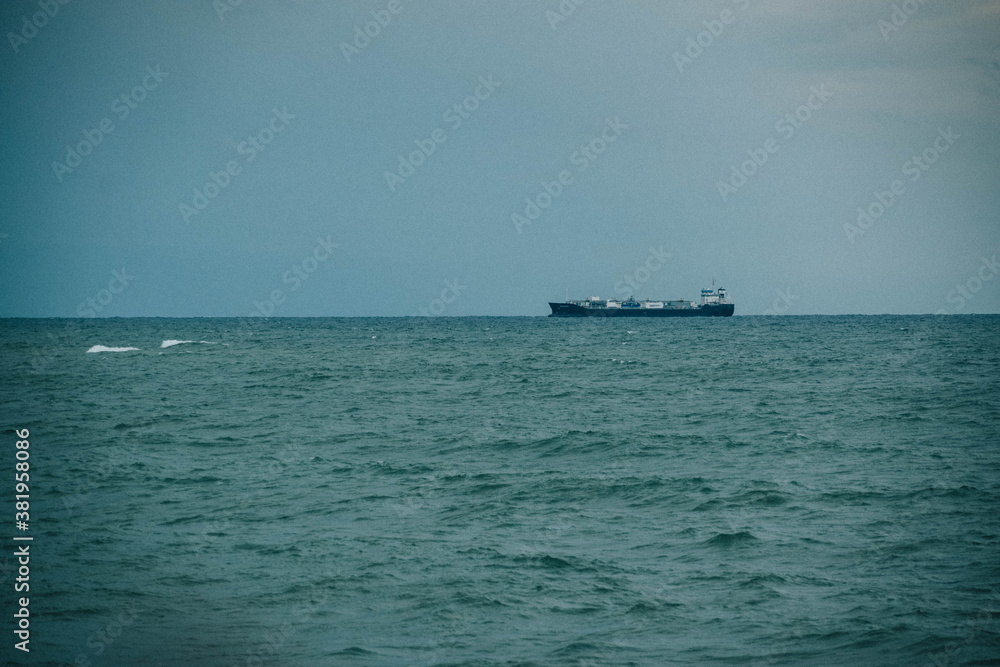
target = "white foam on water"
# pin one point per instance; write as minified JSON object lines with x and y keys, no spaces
{"x":103,"y":348}
{"x":171,"y":343}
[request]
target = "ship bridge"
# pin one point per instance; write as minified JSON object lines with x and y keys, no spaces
{"x":713,"y":296}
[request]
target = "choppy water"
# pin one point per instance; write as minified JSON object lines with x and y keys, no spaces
{"x":529,"y":491}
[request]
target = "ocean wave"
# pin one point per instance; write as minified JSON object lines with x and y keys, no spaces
{"x":171,"y":343}
{"x":731,"y":539}
{"x":102,"y":348}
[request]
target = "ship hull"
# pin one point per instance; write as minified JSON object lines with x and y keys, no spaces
{"x":708,"y":310}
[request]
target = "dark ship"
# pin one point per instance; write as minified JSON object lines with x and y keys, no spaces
{"x":714,"y":303}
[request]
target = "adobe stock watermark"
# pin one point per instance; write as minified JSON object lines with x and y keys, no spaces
{"x":785,"y":127}
{"x":900,"y":16}
{"x":363,"y":36}
{"x":990,"y":67}
{"x":93,"y":305}
{"x":713,"y":30}
{"x":562,"y":12}
{"x":973,"y":626}
{"x":634,"y":280}
{"x":452,"y":290}
{"x":43,"y":356}
{"x":409,"y":507}
{"x":220,"y":180}
{"x":122,"y":106}
{"x":268,"y":642}
{"x":781,"y":304}
{"x":223,"y":7}
{"x":84,"y":484}
{"x":914,"y":168}
{"x":966,"y":291}
{"x":104,"y":637}
{"x":583,"y":158}
{"x":295,"y":276}
{"x":455,"y":116}
{"x":29,"y":28}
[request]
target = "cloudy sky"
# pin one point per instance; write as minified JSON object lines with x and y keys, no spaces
{"x":299,"y":157}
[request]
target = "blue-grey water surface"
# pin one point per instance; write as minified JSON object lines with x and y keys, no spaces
{"x":508,"y":491}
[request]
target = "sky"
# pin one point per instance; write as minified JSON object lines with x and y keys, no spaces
{"x":396,"y":157}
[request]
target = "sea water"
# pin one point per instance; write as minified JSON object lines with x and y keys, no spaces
{"x":506,"y":491}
